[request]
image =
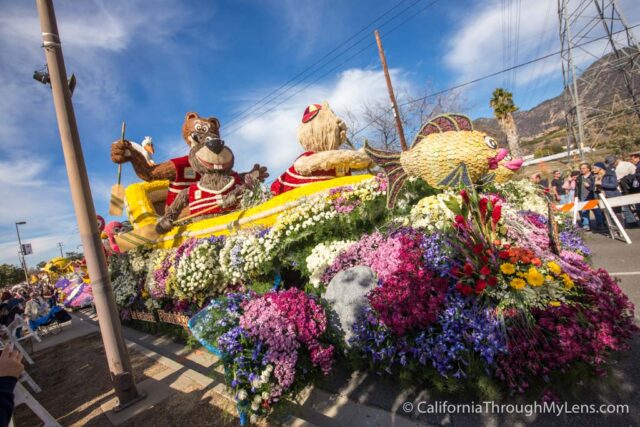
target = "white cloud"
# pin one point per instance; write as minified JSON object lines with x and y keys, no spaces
{"x":94,"y":35}
{"x":271,"y":139}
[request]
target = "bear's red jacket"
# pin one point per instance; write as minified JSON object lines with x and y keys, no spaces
{"x":292,"y":179}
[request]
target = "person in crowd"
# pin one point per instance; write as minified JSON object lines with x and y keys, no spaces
{"x":634,"y":158}
{"x":569,"y":186}
{"x":626,"y":175}
{"x":623,"y":170}
{"x":558,"y":192}
{"x":32,"y":307}
{"x":607,"y":182}
{"x":10,"y":370}
{"x":585,"y":190}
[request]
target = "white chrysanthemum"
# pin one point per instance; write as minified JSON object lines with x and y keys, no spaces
{"x":322,"y":256}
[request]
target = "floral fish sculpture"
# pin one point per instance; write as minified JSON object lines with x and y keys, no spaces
{"x":447,"y":152}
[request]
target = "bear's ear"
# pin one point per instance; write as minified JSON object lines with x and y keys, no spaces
{"x":191,"y":115}
{"x":215,"y":121}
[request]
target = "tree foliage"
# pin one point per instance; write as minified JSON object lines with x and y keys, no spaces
{"x":10,"y":274}
{"x":502,"y":103}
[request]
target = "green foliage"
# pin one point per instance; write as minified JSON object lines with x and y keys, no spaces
{"x":73,"y":255}
{"x":10,"y":274}
{"x":502,"y":103}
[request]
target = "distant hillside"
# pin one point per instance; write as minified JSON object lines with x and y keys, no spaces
{"x":545,"y":122}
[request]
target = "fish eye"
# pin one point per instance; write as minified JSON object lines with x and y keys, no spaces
{"x":491,"y":143}
{"x":205,"y":128}
{"x":507,"y":158}
{"x":198,"y":127}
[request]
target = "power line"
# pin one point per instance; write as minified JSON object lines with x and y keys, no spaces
{"x":276,"y":93}
{"x":485,"y":77}
{"x":250,"y":120}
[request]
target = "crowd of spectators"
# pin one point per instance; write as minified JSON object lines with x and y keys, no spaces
{"x":613,"y":177}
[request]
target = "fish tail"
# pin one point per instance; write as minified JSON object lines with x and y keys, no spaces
{"x":390,"y":164}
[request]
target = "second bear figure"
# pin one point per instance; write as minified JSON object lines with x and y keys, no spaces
{"x":321,"y":134}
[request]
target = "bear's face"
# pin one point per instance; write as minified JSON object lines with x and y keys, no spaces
{"x":196,"y":129}
{"x":211,"y":156}
{"x":321,"y":129}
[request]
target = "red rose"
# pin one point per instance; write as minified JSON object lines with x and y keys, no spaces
{"x":485,"y":271}
{"x":464,"y":195}
{"x":480,"y":286}
{"x":468,"y":269}
{"x":497,"y":213}
{"x":492,"y":281}
{"x":477,"y":249}
{"x":483,"y":206}
{"x":455,"y":271}
{"x":503,"y":254}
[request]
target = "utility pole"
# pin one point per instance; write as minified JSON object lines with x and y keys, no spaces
{"x":110,"y":327}
{"x":392,"y":96}
{"x":588,"y":114}
{"x":21,"y":252}
{"x":60,"y":246}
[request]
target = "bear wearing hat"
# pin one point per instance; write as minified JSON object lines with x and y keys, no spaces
{"x":320,"y":134}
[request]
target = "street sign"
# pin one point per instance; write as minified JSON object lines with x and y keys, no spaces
{"x":26,"y":249}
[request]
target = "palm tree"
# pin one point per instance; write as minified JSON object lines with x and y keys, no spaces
{"x":503,"y":107}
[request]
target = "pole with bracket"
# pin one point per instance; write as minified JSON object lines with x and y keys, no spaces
{"x":392,"y":96}
{"x":108,"y":318}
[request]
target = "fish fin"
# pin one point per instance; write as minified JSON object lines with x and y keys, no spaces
{"x":487,"y":179}
{"x":449,"y":122}
{"x":459,"y":177}
{"x":463,"y":122}
{"x":390,"y":163}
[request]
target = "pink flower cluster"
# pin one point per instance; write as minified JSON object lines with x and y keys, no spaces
{"x":263,"y":320}
{"x":410,"y":297}
{"x":284,"y":321}
{"x":563,"y":335}
{"x":340,"y":203}
{"x":309,"y":321}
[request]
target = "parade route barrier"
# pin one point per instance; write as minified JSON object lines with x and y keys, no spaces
{"x":616,"y":230}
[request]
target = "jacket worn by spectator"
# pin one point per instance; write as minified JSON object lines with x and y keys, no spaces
{"x":609,"y":183}
{"x":7,"y":384}
{"x":586,"y":193}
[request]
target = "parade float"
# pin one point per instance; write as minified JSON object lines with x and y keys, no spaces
{"x":429,"y":271}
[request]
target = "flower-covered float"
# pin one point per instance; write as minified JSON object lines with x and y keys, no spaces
{"x":484,"y":289}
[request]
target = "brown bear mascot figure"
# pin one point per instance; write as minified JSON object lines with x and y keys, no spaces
{"x":178,"y":171}
{"x":219,"y":189}
{"x":321,"y":134}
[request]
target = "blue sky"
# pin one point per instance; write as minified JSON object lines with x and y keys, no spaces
{"x":149,"y":63}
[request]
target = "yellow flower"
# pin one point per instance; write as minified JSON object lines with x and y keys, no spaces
{"x":534,"y":277}
{"x":554,"y":303}
{"x":568,"y":283}
{"x":517,"y":284}
{"x":549,"y":278}
{"x":508,"y":268}
{"x":554,"y":268}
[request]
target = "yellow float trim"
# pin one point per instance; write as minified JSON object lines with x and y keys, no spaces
{"x":142,"y":212}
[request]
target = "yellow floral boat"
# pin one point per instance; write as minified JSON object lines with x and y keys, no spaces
{"x":145,"y":203}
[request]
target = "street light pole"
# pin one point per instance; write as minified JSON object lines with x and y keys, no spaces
{"x":24,"y":261}
{"x":60,"y":246}
{"x":110,"y":327}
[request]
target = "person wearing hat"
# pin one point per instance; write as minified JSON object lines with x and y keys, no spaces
{"x":623,"y":170}
{"x":611,"y":184}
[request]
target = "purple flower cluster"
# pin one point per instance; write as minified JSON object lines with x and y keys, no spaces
{"x":437,"y":253}
{"x":571,"y":241}
{"x":340,"y":203}
{"x":446,"y":345}
{"x":160,"y":276}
